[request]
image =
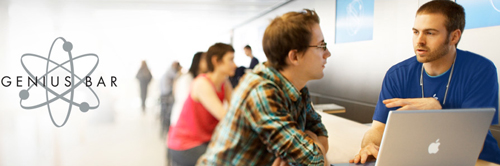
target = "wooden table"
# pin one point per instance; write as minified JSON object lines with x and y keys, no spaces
{"x":345,"y":139}
{"x":329,"y":108}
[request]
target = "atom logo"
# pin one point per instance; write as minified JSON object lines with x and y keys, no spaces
{"x":355,"y":11}
{"x":84,"y":106}
{"x":494,"y":6}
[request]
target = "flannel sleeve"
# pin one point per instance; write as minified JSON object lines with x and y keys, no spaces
{"x":313,"y":121}
{"x":269,"y":117}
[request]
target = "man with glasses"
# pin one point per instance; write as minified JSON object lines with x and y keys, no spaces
{"x":270,"y":119}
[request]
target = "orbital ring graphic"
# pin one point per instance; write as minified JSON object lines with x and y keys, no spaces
{"x":355,"y":13}
{"x":494,"y":7}
{"x":84,"y":106}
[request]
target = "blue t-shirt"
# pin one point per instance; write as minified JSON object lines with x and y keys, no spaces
{"x":474,"y":84}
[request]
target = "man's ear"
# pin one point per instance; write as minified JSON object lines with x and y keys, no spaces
{"x":293,"y":57}
{"x":455,"y":36}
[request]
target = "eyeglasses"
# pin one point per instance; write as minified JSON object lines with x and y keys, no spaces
{"x":323,"y":46}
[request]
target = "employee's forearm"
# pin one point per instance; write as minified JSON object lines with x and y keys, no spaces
{"x":372,"y":136}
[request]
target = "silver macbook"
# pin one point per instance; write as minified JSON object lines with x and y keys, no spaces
{"x":433,"y":137}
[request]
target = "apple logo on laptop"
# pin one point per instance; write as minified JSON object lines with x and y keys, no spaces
{"x":434,"y":147}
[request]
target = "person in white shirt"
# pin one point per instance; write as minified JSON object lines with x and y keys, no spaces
{"x":183,"y":83}
{"x":167,"y":96}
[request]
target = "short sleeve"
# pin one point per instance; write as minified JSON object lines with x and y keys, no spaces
{"x":390,"y":89}
{"x":482,"y":91}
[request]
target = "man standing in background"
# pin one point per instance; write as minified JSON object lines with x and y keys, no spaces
{"x":248,"y":52}
{"x":167,"y":96}
{"x":144,"y":76}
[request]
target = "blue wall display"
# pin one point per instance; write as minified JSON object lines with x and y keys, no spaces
{"x":354,"y":20}
{"x":481,"y":13}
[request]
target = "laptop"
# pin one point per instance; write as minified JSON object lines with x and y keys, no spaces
{"x":433,"y":137}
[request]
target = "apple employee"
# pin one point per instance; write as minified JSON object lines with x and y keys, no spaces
{"x":439,"y":76}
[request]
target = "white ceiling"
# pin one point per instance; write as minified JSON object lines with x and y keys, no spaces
{"x":216,"y":15}
{"x":158,"y":31}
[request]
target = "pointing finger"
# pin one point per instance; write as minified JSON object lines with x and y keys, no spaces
{"x":390,"y":100}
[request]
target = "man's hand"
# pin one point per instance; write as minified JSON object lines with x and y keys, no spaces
{"x":279,"y":162}
{"x":318,"y":141}
{"x":428,"y":103}
{"x":321,"y":141}
{"x":312,"y":135}
{"x":324,"y":141}
{"x":368,"y":153}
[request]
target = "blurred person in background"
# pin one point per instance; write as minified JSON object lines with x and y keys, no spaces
{"x":203,"y":108}
{"x":240,"y":71}
{"x":167,"y":96}
{"x":144,"y":76}
{"x":182,"y":84}
{"x":248,"y":52}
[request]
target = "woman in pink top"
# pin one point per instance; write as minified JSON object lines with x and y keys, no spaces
{"x":203,"y":109}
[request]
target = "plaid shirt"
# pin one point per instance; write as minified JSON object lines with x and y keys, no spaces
{"x":267,"y":118}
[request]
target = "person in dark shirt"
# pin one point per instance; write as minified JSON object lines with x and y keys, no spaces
{"x":144,"y":76}
{"x":248,"y":52}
